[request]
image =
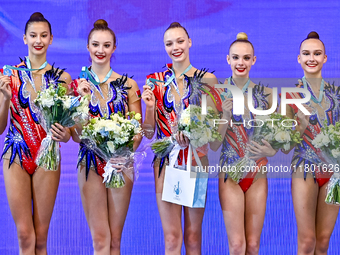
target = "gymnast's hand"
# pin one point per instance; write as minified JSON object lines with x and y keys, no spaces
{"x":84,"y":87}
{"x":60,"y":133}
{"x":182,"y":140}
{"x":5,"y":87}
{"x":148,"y":96}
{"x":260,"y":151}
{"x":304,"y":119}
{"x":118,"y":163}
{"x":227,"y":107}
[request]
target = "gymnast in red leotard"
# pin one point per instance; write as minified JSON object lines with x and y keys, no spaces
{"x":315,"y":219}
{"x":105,"y":208}
{"x":25,"y":182}
{"x":243,"y":203}
{"x":174,"y":90}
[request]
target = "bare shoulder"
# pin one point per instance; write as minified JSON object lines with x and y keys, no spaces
{"x":132,"y":82}
{"x":268,"y":90}
{"x":210,"y":75}
{"x":66,"y":77}
{"x":210,"y":79}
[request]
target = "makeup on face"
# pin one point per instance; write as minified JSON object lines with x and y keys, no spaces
{"x":101,"y":46}
{"x":38,"y":38}
{"x":241,"y":59}
{"x":312,"y":56}
{"x":177,"y":44}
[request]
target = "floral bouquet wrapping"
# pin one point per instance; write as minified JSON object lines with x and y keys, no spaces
{"x":198,"y":128}
{"x":328,"y":144}
{"x":277,"y":130}
{"x":113,"y":138}
{"x":57,"y":107}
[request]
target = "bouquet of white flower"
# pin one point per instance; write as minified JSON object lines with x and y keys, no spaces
{"x":110,"y":138}
{"x":271,"y":129}
{"x":328,"y":144}
{"x":198,"y":128}
{"x":57,"y":107}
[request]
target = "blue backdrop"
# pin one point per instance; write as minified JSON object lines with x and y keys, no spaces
{"x":275,"y":28}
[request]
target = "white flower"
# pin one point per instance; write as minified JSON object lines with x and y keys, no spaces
{"x":99,"y":126}
{"x":282,"y":137}
{"x":111,"y":146}
{"x":46,"y":100}
{"x":325,"y":140}
{"x":331,"y":129}
{"x":317,"y":142}
{"x":207,"y":133}
{"x":112,"y":126}
{"x":335,"y":153}
{"x":185,"y":121}
{"x":201,"y":117}
{"x":67,"y":103}
{"x":202,"y":141}
{"x":195,"y":135}
{"x":286,"y":146}
{"x":269,"y":137}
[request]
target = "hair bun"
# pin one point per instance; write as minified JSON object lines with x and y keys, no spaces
{"x":242,"y":36}
{"x":37,"y":15}
{"x":100,"y":24}
{"x":175,"y":24}
{"x":313,"y":34}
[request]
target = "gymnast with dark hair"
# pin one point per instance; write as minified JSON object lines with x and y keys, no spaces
{"x":315,"y":219}
{"x":110,"y":92}
{"x":30,"y":189}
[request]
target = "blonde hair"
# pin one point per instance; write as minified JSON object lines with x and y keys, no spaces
{"x":242,"y":37}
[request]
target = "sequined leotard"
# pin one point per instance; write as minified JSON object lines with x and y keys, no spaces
{"x":25,"y":134}
{"x":116,"y":99}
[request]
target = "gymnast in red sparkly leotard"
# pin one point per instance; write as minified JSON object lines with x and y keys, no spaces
{"x":243,"y":203}
{"x":25,"y":133}
{"x":110,"y":92}
{"x":172,"y":93}
{"x":315,"y":219}
{"x":26,"y":185}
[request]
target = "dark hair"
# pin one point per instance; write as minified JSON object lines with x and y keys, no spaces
{"x":177,"y":25}
{"x":313,"y":35}
{"x":37,"y":17}
{"x":101,"y":25}
{"x":242,"y":37}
